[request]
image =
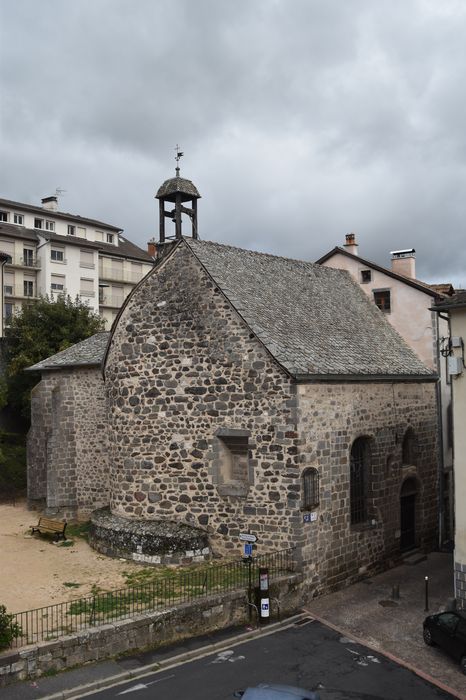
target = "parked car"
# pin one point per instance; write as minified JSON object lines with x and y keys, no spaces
{"x":448,"y":630}
{"x":272,"y":691}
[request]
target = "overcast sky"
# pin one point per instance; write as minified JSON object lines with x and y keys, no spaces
{"x":300,"y":120}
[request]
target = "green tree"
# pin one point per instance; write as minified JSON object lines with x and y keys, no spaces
{"x":40,"y":329}
{"x":9,"y":630}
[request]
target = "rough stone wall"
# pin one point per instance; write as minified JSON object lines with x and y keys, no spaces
{"x":331,"y":417}
{"x":460,"y":585}
{"x":91,"y":435}
{"x":37,"y":441}
{"x":67,"y":443}
{"x":182,"y":365}
{"x":154,"y":630}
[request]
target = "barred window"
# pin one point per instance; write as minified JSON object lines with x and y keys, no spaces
{"x":359,"y":469}
{"x":409,"y":447}
{"x":310,"y":488}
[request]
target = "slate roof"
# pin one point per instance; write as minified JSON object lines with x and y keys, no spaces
{"x":177,"y":184}
{"x":60,"y":214}
{"x":456,"y":301}
{"x":417,"y":284}
{"x":313,"y":319}
{"x":87,"y":353}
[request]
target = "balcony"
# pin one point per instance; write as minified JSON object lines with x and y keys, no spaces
{"x":18,"y":291}
{"x":115,"y":274}
{"x":29,"y":261}
{"x":111,"y":300}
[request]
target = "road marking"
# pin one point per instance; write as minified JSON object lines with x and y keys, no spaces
{"x":362,"y":660}
{"x":226,"y":655}
{"x":143,"y":686}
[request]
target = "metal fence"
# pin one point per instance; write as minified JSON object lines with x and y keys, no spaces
{"x":54,"y":621}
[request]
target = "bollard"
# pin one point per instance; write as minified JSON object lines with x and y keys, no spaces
{"x":427,"y":593}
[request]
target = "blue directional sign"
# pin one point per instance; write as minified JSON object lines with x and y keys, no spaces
{"x":248,"y":550}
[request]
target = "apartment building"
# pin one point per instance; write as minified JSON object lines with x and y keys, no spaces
{"x":53,"y":252}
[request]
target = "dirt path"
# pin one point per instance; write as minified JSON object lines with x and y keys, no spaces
{"x":33,"y":570}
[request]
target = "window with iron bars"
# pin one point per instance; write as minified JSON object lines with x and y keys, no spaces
{"x":359,"y":469}
{"x":310,"y":488}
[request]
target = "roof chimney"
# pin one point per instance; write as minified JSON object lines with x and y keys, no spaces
{"x":152,"y":248}
{"x":404,"y":262}
{"x":351,"y":245}
{"x":50,"y":203}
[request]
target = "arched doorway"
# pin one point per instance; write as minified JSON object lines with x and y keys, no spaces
{"x":408,"y":495}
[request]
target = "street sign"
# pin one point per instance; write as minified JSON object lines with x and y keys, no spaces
{"x":309,"y":517}
{"x":247,"y":537}
{"x":248,"y":550}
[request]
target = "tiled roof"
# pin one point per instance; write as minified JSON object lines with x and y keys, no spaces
{"x":26,"y":234}
{"x":443,"y":288}
{"x":59,"y":214}
{"x":125,"y":248}
{"x":87,"y":353}
{"x":313,"y":319}
{"x":417,"y":284}
{"x":456,"y":301}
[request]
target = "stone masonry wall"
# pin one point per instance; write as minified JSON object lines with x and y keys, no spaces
{"x":151,"y":630}
{"x":67,"y":443}
{"x":331,"y":417}
{"x":182,"y":365}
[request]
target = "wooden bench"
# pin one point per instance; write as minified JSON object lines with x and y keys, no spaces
{"x":47,"y":525}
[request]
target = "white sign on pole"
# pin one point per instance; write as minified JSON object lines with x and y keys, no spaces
{"x":247,"y":537}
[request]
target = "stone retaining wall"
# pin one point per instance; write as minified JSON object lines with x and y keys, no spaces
{"x":146,"y":631}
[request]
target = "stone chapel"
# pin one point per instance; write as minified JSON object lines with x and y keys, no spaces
{"x":237,"y":391}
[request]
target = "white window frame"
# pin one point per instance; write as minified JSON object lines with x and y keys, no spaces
{"x":110,"y":237}
{"x":60,"y":251}
{"x":57,"y":286}
{"x":18,"y":219}
{"x":4,"y":215}
{"x":41,"y":222}
{"x":49,"y":225}
{"x":71,"y":230}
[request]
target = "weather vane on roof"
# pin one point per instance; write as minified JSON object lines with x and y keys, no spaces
{"x":179,"y":154}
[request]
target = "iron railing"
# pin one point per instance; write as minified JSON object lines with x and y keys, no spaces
{"x":54,"y":621}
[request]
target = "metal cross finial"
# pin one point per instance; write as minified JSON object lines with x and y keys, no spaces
{"x":179,"y":155}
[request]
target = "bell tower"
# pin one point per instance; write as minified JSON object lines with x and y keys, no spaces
{"x":177,"y":190}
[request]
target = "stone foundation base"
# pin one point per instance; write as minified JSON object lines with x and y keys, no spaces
{"x":460,"y":585}
{"x":147,"y":541}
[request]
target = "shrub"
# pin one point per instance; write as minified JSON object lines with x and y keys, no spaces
{"x":9,"y":630}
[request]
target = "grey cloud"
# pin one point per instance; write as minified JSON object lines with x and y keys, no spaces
{"x":301,"y":120}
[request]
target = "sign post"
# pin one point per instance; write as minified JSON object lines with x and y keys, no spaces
{"x":248,"y":539}
{"x":264,"y":595}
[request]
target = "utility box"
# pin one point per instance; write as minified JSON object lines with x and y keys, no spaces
{"x":455,"y":366}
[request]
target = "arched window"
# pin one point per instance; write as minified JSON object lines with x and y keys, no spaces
{"x":359,"y":470}
{"x":310,"y":488}
{"x":409,"y":448}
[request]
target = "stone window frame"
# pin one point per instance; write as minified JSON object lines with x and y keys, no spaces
{"x":409,"y":448}
{"x":359,"y":473}
{"x":230,"y":487}
{"x":310,"y":483}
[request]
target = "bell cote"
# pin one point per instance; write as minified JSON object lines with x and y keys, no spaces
{"x":173,"y":196}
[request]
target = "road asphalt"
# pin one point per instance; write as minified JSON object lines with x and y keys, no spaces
{"x":370,"y":612}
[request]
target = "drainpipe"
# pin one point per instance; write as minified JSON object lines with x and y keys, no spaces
{"x":440,"y":444}
{"x":4,"y":258}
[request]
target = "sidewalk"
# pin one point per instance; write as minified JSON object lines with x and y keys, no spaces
{"x":366,"y":611}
